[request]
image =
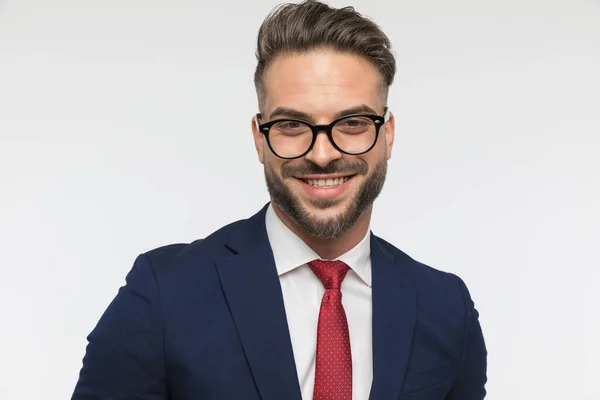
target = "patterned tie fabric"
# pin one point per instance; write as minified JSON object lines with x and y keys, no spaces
{"x":333,"y":373}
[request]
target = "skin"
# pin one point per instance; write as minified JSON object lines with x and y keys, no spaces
{"x":322,"y":83}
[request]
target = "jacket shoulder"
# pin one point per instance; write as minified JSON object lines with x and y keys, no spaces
{"x":439,"y":290}
{"x":422,"y":273}
{"x":207,"y":248}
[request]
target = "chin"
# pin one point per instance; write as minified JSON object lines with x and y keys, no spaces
{"x":327,"y":208}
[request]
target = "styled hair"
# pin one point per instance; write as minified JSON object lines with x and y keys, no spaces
{"x":312,"y":25}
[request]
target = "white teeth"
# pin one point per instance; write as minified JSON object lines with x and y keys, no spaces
{"x":326,"y":182}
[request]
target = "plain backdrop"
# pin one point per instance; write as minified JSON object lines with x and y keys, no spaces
{"x":125,"y":125}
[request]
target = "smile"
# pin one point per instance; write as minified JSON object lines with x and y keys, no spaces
{"x":327,"y":182}
{"x":324,"y":186}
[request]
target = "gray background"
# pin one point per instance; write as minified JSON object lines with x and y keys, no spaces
{"x":125,"y":125}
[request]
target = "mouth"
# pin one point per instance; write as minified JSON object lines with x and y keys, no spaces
{"x":326,"y":182}
{"x":326,"y":186}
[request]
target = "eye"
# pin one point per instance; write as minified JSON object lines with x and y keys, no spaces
{"x":290,"y":128}
{"x":354,"y":125}
{"x":289,"y":125}
{"x":354,"y":122}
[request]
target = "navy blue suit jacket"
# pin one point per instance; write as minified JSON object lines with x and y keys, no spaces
{"x":206,"y":320}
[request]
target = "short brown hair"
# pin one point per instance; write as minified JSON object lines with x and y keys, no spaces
{"x":311,"y":25}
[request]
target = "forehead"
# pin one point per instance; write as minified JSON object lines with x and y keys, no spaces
{"x":321,"y":83}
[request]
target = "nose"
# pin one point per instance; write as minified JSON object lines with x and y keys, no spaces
{"x":323,"y":152}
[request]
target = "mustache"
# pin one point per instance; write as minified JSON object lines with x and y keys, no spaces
{"x":334,"y":167}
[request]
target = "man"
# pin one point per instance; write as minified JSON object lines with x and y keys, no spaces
{"x":300,"y":301}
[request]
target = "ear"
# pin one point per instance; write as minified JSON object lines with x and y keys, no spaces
{"x":259,"y":140}
{"x":390,"y":131}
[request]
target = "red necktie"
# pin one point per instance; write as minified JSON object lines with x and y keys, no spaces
{"x":333,"y":373}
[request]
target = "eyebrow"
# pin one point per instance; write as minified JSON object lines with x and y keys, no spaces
{"x":292,"y":113}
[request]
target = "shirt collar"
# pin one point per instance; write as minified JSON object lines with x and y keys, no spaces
{"x":290,"y":252}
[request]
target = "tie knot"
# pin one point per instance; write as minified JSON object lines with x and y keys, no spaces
{"x":330,"y":273}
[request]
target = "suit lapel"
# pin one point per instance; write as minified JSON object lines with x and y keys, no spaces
{"x":394,"y":317}
{"x":251,"y":285}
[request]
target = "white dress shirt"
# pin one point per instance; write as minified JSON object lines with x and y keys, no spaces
{"x":302,"y":295}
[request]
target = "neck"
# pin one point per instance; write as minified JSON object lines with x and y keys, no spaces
{"x":329,"y":249}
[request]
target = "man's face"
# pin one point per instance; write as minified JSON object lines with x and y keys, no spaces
{"x":321,"y":85}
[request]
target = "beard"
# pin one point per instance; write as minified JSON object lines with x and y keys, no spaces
{"x":333,"y":226}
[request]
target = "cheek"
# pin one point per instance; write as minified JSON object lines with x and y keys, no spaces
{"x":273,"y":163}
{"x":373,"y":157}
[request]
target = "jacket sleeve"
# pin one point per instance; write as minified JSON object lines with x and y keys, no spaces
{"x":472,"y":376}
{"x":125,"y":356}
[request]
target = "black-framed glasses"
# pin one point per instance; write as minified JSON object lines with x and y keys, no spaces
{"x":352,"y":134}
